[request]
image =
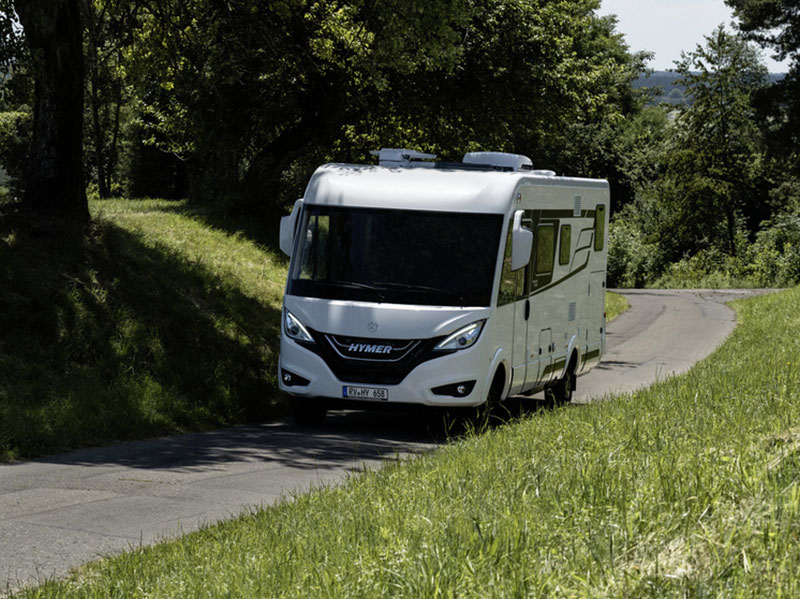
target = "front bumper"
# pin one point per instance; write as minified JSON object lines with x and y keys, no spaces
{"x":463,"y":366}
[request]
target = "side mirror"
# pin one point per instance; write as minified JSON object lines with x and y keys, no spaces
{"x":521,"y":242}
{"x":288,"y":226}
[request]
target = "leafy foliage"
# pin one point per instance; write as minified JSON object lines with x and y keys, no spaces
{"x":107,"y":30}
{"x":15,"y":131}
{"x":12,"y":47}
{"x":719,"y":137}
{"x":333,"y":80}
{"x":775,"y":24}
{"x":703,"y":187}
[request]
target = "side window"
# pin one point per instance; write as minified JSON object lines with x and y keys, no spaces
{"x":565,"y":245}
{"x":314,"y":254}
{"x":522,"y":292}
{"x":599,"y":227}
{"x":508,"y":279}
{"x":545,"y":249}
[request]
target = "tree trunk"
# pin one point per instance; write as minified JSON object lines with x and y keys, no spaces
{"x":97,"y":136}
{"x":54,"y":175}
{"x":320,"y":125}
{"x":113,"y":152}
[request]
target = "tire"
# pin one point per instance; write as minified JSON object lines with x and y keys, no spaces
{"x":308,"y":411}
{"x":490,"y":412}
{"x":560,"y":392}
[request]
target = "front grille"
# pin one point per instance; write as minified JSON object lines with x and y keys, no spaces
{"x":375,"y":361}
{"x":371,"y":350}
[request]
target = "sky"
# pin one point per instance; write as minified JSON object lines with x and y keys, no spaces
{"x":668,"y":26}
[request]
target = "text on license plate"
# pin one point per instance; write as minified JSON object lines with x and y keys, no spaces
{"x":364,"y":392}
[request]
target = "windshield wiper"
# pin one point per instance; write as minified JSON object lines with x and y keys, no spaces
{"x":382,"y":286}
{"x":353,"y":285}
{"x":391,"y":285}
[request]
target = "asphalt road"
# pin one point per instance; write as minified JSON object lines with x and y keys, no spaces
{"x":61,"y":511}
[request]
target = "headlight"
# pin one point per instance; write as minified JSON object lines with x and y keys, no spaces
{"x":463,"y":338}
{"x":295,"y":329}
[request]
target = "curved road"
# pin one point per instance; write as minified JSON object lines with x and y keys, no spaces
{"x":664,"y":332}
{"x":59,"y":512}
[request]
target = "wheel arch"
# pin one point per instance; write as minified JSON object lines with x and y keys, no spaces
{"x":573,"y":357}
{"x":498,"y":367}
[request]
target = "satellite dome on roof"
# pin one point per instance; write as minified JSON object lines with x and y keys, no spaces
{"x":514,"y":162}
{"x":499,"y":161}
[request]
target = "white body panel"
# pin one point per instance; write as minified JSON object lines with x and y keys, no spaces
{"x":531,"y":335}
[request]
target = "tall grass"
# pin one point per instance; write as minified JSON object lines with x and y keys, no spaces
{"x":152,"y":322}
{"x":687,"y":489}
{"x":615,"y":305}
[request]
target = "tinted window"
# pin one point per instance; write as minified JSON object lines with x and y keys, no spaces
{"x":599,"y":227}
{"x":545,"y":249}
{"x":565,"y":245}
{"x":508,"y":278}
{"x":397,"y":256}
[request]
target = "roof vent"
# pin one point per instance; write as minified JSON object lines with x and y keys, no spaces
{"x":398,"y":157}
{"x":502,"y":160}
{"x":543,"y":173}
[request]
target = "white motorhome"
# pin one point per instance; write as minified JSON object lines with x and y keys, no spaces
{"x":416,"y":282}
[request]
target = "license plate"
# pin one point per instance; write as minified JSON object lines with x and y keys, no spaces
{"x":365,"y":393}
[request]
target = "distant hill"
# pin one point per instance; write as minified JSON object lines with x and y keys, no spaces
{"x":671,"y":92}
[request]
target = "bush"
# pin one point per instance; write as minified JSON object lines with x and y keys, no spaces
{"x":632,"y":261}
{"x":710,"y":268}
{"x":775,"y":256}
{"x":773,"y":260}
{"x":15,"y":135}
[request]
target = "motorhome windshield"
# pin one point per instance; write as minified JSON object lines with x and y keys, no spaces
{"x":396,"y":256}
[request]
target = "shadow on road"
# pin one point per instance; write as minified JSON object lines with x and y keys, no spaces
{"x":344,"y":438}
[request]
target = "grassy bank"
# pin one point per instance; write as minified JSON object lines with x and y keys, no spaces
{"x":154,"y":322}
{"x":616,"y":304}
{"x":687,"y":489}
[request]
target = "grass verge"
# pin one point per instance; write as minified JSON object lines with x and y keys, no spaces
{"x":687,"y":489}
{"x":616,"y":304}
{"x":152,"y":322}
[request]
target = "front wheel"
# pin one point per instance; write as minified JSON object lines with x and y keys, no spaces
{"x":560,"y":392}
{"x":308,"y":411}
{"x":491,"y":411}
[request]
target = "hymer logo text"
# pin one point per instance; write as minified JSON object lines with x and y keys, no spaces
{"x":365,"y":348}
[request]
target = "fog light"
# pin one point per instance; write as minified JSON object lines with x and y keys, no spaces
{"x":455,"y":390}
{"x":293,"y":380}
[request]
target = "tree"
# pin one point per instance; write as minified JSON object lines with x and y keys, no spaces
{"x":720,"y":130}
{"x":15,"y":94}
{"x":254,"y":94}
{"x":53,"y":181}
{"x":706,"y":191}
{"x":12,"y":46}
{"x":108,"y":26}
{"x":775,"y":24}
{"x":245,"y":90}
